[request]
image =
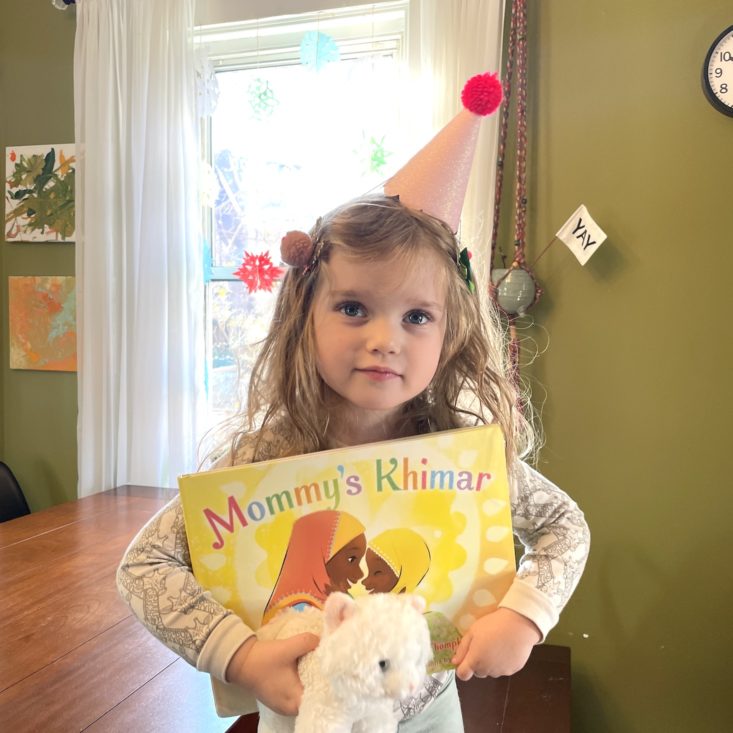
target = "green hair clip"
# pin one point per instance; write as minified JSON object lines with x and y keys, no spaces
{"x":464,"y":267}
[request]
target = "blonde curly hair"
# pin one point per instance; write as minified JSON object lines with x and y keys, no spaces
{"x":471,"y":384}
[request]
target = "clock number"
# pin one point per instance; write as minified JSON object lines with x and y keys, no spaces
{"x":717,"y":73}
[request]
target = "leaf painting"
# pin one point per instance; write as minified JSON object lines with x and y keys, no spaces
{"x":39,"y":193}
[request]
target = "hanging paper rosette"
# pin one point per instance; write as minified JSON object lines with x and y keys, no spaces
{"x":372,"y":154}
{"x":258,"y":272}
{"x":207,"y":85}
{"x":378,"y":155}
{"x":317,"y":50}
{"x":262,"y":99}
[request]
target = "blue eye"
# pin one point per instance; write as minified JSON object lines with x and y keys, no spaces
{"x":352,"y":310}
{"x":417,"y":318}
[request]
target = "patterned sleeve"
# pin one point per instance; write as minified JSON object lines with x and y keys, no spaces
{"x":556,"y":541}
{"x":156,"y":581}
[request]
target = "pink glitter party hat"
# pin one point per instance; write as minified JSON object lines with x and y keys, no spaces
{"x":435,"y":179}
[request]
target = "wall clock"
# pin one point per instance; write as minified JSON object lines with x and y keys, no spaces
{"x":717,"y":73}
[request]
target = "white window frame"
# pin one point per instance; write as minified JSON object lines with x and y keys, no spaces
{"x":262,"y":43}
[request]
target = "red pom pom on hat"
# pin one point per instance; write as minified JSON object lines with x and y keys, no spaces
{"x":482,"y":94}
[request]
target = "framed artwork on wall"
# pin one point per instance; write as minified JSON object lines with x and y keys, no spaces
{"x":39,"y":193}
{"x":42,"y":328}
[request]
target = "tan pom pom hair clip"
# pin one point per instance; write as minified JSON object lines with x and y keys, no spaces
{"x":434,"y":180}
{"x":297,"y":249}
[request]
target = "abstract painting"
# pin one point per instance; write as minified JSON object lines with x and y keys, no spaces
{"x":42,"y":323}
{"x":39,"y":193}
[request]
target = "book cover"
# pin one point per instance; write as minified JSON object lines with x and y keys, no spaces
{"x":428,"y":514}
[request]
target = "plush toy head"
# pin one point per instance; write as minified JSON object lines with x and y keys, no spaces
{"x":375,"y":647}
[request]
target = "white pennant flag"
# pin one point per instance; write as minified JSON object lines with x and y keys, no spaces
{"x":581,"y":234}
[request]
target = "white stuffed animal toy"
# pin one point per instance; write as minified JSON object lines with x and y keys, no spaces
{"x":373,"y":652}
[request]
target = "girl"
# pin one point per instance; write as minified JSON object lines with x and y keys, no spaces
{"x":378,"y":333}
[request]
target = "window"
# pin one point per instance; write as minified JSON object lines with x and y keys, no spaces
{"x":307,"y":117}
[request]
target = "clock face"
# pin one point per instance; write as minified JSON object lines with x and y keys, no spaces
{"x":717,"y":73}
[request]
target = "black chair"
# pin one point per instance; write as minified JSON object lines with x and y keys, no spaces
{"x":12,"y":500}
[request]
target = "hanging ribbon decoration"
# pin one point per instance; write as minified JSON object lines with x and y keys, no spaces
{"x":514,"y":289}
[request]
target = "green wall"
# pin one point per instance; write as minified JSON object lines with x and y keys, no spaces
{"x":38,"y":409}
{"x":638,"y":366}
{"x":636,"y":369}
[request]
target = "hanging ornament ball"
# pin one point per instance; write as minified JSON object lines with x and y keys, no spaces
{"x":482,"y":94}
{"x":516,"y":290}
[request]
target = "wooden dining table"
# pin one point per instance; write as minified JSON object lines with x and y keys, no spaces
{"x":73,"y":658}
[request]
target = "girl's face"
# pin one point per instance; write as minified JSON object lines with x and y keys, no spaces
{"x":381,"y":578}
{"x":343,"y":568}
{"x":379,"y":329}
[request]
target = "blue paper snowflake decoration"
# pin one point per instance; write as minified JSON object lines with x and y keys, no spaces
{"x":317,"y":50}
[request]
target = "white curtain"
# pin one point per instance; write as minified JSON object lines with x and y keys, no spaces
{"x":138,"y":258}
{"x":448,"y":43}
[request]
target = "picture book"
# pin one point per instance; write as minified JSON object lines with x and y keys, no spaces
{"x":428,"y":514}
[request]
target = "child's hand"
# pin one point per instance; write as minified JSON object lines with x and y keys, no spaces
{"x":497,"y":644}
{"x":270,"y":670}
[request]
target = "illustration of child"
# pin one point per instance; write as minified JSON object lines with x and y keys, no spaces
{"x":380,"y":331}
{"x":397,"y":560}
{"x":323,"y":556}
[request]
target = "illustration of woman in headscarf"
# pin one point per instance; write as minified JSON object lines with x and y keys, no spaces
{"x":323,"y":556}
{"x":397,"y":559}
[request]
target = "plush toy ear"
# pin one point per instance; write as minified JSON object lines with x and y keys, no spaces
{"x":338,"y":607}
{"x":418,"y":602}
